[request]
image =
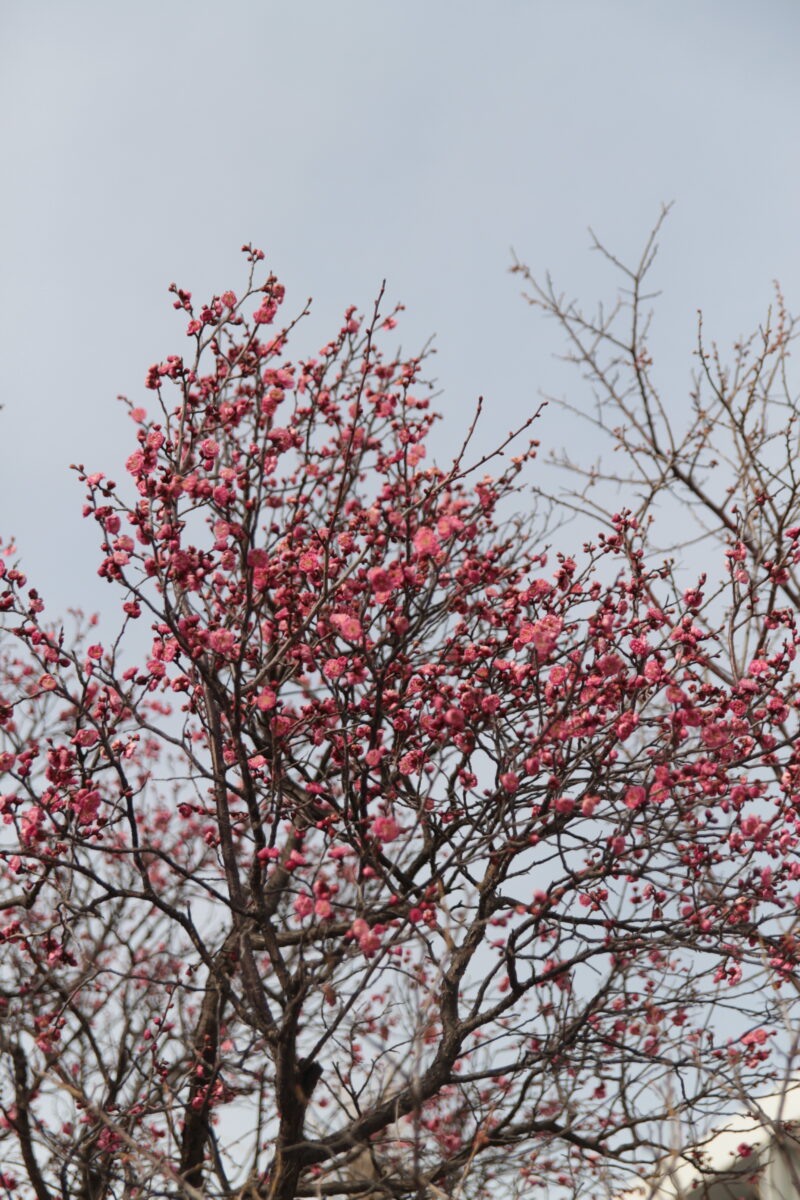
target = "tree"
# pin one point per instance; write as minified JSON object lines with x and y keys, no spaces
{"x":402,"y":856}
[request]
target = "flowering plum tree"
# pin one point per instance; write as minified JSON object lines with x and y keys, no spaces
{"x":409,"y":858}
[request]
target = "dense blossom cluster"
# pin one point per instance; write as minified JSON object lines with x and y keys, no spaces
{"x":407,"y":841}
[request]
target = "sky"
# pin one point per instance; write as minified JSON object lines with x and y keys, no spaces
{"x":359,"y":141}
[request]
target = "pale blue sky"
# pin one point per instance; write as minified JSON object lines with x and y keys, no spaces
{"x":355,"y":141}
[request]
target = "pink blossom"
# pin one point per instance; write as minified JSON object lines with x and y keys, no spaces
{"x":266,"y":699}
{"x":543,"y":634}
{"x":368,"y":939}
{"x":410,"y":763}
{"x":635,"y":797}
{"x":266,"y":313}
{"x":426,"y":543}
{"x":449,"y":524}
{"x":626,"y":725}
{"x":222,"y":641}
{"x":381,"y":582}
{"x":386,"y":829}
{"x":303,"y":905}
{"x":332,"y":668}
{"x":349,"y":627}
{"x":86,"y":738}
{"x":85,"y":805}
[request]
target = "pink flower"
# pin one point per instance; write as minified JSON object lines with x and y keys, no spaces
{"x":222,"y":641}
{"x":410,"y":763}
{"x":86,"y":738}
{"x":543,"y":634}
{"x":349,"y":627}
{"x":209,"y":448}
{"x":334,"y":667}
{"x":626,"y":725}
{"x":85,"y":805}
{"x":266,"y":699}
{"x":455,"y":718}
{"x":368,"y":939}
{"x":426,"y":542}
{"x":386,"y":829}
{"x":509,"y":781}
{"x":635,"y":797}
{"x":266,"y":313}
{"x":268,"y":852}
{"x":303,"y":905}
{"x":448,"y":525}
{"x":381,"y":583}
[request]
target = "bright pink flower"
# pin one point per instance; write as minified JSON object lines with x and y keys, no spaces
{"x":86,"y":738}
{"x":410,"y":763}
{"x":332,"y":668}
{"x":426,"y":543}
{"x":386,"y":829}
{"x":368,"y":939}
{"x":635,"y":797}
{"x":222,"y":641}
{"x":85,"y":805}
{"x":381,"y":582}
{"x":626,"y":725}
{"x":349,"y":627}
{"x":543,"y":634}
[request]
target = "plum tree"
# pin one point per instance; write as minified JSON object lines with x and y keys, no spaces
{"x":413,"y":857}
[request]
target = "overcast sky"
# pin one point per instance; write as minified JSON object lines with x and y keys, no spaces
{"x":359,"y":140}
